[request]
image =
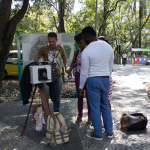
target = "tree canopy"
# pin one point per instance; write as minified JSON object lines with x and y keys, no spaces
{"x":123,"y":22}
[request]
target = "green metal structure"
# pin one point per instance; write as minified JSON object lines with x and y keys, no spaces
{"x":19,"y":62}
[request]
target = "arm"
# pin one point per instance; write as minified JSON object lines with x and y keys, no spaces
{"x":36,"y":58}
{"x":84,"y":72}
{"x":65,"y":63}
{"x":111,"y":64}
{"x":83,"y":75}
{"x":64,"y":58}
{"x":72,"y":64}
{"x":38,"y":54}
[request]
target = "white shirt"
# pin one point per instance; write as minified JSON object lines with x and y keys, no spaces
{"x":124,"y":55}
{"x":97,"y":60}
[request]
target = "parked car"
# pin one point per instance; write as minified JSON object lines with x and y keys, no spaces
{"x":11,"y":66}
{"x":148,"y":62}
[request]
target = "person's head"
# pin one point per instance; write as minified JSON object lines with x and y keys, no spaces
{"x":52,"y":39}
{"x":89,"y":34}
{"x":81,"y":43}
{"x":103,"y":38}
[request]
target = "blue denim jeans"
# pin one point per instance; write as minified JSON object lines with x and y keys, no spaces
{"x":55,"y":91}
{"x":46,"y":89}
{"x":97,"y":91}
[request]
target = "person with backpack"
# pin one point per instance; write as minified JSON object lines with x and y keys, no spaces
{"x":77,"y":62}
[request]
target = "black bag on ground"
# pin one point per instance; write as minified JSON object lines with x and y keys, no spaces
{"x":132,"y":122}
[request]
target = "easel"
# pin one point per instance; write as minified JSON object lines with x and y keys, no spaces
{"x":44,"y":101}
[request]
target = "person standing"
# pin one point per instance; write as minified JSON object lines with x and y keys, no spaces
{"x":124,"y":56}
{"x":111,"y":80}
{"x":97,"y":64}
{"x":77,"y":59}
{"x":53,"y":52}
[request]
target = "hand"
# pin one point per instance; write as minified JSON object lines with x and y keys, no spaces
{"x":67,"y":69}
{"x":81,"y":92}
{"x":69,"y":75}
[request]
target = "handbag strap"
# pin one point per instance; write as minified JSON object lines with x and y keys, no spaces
{"x":77,"y":54}
{"x":54,"y":119}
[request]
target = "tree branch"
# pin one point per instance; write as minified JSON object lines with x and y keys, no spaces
{"x":145,"y":21}
{"x":5,"y":7}
{"x":113,"y":9}
{"x":55,"y":23}
{"x":55,"y":7}
{"x":20,"y":14}
{"x":100,"y":29}
{"x":142,"y":27}
{"x":11,"y":28}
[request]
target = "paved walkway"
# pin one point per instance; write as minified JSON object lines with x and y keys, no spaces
{"x":129,"y":96}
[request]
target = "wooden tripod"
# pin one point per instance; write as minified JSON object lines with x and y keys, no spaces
{"x":44,"y":100}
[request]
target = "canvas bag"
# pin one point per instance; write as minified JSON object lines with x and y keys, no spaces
{"x":56,"y":124}
{"x":132,"y":122}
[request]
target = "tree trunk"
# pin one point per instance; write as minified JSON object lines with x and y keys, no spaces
{"x":61,"y":27}
{"x":102,"y":28}
{"x":8,"y":29}
{"x":105,"y":17}
{"x":106,"y":14}
{"x":142,"y":26}
{"x":140,"y":20}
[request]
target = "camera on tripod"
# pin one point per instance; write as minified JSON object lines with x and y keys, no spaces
{"x":42,"y":74}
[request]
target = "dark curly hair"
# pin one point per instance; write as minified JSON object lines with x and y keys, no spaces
{"x":103,"y":38}
{"x":78,"y":37}
{"x":52,"y":34}
{"x":89,"y":30}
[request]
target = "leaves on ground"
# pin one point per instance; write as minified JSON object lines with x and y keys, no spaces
{"x":9,"y":92}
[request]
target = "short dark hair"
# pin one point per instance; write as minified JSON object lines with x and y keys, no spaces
{"x":78,"y":37}
{"x":103,"y":38}
{"x":52,"y":34}
{"x":89,"y":30}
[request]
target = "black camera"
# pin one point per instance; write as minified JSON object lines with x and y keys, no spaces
{"x":42,"y":74}
{"x":53,"y":67}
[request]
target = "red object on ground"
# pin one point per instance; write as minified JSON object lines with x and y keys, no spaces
{"x":23,"y":129}
{"x":137,"y":60}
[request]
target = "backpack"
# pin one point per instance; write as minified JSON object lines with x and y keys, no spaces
{"x":132,"y":122}
{"x":57,"y":132}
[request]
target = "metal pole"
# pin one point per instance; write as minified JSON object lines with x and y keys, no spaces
{"x":96,"y":16}
{"x":19,"y":62}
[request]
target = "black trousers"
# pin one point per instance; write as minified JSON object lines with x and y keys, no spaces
{"x":124,"y":61}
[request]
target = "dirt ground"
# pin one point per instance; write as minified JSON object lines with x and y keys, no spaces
{"x":10,"y":91}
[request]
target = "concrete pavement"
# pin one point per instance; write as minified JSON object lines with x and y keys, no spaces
{"x":129,"y":96}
